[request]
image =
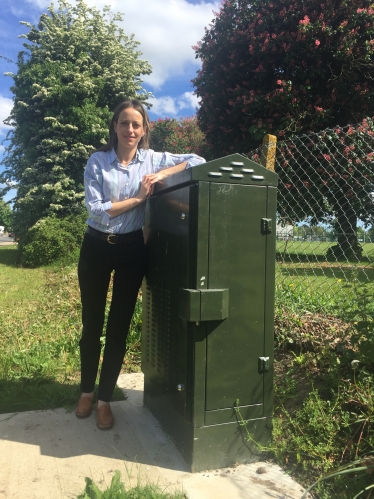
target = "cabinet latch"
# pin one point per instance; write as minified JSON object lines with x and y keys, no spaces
{"x":263,"y":364}
{"x":266,"y":225}
{"x":197,"y":305}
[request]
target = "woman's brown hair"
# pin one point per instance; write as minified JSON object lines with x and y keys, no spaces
{"x":113,"y":140}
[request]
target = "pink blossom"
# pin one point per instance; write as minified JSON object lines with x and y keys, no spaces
{"x":279,"y":82}
{"x":327,"y":157}
{"x":317,"y":43}
{"x":318,"y":109}
{"x":305,"y":21}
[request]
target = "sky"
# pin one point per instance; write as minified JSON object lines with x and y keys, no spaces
{"x":166,"y":30}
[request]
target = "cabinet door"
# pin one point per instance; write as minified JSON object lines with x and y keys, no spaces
{"x":237,"y":255}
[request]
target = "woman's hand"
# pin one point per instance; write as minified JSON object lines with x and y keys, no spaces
{"x":166,"y":172}
{"x":145,"y":188}
{"x":120,"y":207}
{"x":156,"y":177}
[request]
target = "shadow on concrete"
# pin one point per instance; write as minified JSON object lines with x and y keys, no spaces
{"x":136,"y":436}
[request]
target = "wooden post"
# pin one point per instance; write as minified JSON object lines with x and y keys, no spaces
{"x":268,"y":151}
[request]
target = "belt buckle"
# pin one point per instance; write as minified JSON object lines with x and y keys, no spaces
{"x":108,"y":238}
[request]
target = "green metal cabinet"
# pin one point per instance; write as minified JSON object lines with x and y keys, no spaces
{"x":208,"y":305}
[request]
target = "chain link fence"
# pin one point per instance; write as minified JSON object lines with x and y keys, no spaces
{"x":325,"y":217}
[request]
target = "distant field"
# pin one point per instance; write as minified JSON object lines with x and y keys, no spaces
{"x":318,"y":284}
{"x":316,"y":248}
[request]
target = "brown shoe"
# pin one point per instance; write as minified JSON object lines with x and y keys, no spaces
{"x":104,"y":417}
{"x":84,"y":407}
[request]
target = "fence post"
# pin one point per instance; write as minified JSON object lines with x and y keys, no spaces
{"x":268,"y":151}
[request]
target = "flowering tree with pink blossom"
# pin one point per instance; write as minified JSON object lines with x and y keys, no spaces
{"x":177,"y":136}
{"x":290,"y":67}
{"x":284,"y":67}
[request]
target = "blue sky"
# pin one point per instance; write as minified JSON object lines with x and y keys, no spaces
{"x":166,"y":30}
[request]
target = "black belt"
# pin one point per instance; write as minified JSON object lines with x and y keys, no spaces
{"x":127,"y":238}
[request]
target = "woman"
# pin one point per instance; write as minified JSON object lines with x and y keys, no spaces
{"x":118,"y":179}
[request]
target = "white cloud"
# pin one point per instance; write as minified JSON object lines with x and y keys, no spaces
{"x":5,"y":108}
{"x":188,"y":101}
{"x":164,"y":106}
{"x":171,"y":106}
{"x":166,"y":30}
{"x":40,"y":4}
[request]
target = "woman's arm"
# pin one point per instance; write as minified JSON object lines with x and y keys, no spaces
{"x":167,"y":172}
{"x":120,"y":207}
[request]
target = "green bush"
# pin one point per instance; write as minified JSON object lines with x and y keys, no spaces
{"x":53,"y":239}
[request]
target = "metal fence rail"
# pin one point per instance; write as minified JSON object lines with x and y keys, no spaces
{"x":325,"y":215}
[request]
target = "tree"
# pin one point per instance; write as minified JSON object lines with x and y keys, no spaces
{"x":177,"y":136}
{"x":284,"y":67}
{"x":329,"y":177}
{"x":6,"y":215}
{"x":76,"y":67}
{"x":289,"y":67}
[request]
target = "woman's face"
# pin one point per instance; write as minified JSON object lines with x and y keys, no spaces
{"x":129,"y":128}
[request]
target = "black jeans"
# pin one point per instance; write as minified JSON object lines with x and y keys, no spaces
{"x":97,"y":260}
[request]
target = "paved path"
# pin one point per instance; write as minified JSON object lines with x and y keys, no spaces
{"x":7,"y":243}
{"x":47,"y":455}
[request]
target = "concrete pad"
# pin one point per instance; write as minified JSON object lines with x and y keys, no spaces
{"x":47,"y":455}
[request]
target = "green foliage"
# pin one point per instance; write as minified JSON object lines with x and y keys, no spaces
{"x":359,"y":468}
{"x":178,"y":136}
{"x":360,"y":312}
{"x":76,"y":67}
{"x":52,"y":239}
{"x":327,"y":430}
{"x":324,"y":386}
{"x":284,"y":67}
{"x":6,"y":216}
{"x":117,"y":490}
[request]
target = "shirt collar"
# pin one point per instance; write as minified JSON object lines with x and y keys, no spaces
{"x":140,"y":155}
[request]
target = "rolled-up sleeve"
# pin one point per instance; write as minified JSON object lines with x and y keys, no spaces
{"x":161,"y":160}
{"x":93,"y":186}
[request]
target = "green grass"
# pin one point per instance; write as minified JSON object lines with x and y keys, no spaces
{"x":323,"y":286}
{"x":118,"y":490}
{"x":14,"y":292}
{"x":40,"y":323}
{"x":316,"y":249}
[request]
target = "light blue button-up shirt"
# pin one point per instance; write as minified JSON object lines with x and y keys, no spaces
{"x":106,"y":181}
